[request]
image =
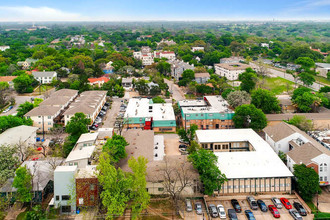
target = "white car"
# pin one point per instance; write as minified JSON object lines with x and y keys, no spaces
{"x":221,"y":210}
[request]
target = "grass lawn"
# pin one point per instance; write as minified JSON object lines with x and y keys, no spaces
{"x":320,"y":215}
{"x":277,"y":85}
{"x":21,"y":215}
{"x":322,"y":80}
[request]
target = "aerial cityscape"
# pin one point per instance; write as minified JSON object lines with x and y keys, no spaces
{"x":160,"y":110}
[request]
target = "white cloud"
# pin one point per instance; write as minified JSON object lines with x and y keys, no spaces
{"x":26,"y":13}
{"x":307,"y":5}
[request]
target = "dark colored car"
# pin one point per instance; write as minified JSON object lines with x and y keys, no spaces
{"x":262,"y":205}
{"x":183,"y":146}
{"x":274,"y":211}
{"x":249,"y":215}
{"x":236,"y":205}
{"x":213,"y":211}
{"x":286,"y":203}
{"x":300,"y":208}
{"x":232,"y":214}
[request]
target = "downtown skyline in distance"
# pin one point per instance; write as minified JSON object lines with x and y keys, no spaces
{"x":166,"y":10}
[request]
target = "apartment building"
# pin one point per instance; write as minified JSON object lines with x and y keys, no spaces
{"x":249,"y":163}
{"x":89,"y":102}
{"x":300,"y":148}
{"x":143,"y":113}
{"x":44,"y":77}
{"x":170,"y":55}
{"x":230,"y":70}
{"x":50,"y":110}
{"x":178,"y":66}
{"x":212,"y":112}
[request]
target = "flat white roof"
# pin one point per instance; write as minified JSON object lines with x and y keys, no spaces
{"x":159,"y":147}
{"x":141,"y":108}
{"x":163,"y":111}
{"x":17,"y":134}
{"x":186,"y":103}
{"x":89,"y":171}
{"x":79,"y":153}
{"x":65,"y":169}
{"x":218,"y":103}
{"x":87,"y":137}
{"x":192,"y":110}
{"x":263,"y":162}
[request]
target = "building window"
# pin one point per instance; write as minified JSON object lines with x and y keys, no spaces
{"x":92,"y":187}
{"x":225,"y":146}
{"x":49,"y":117}
{"x":160,"y":189}
{"x":321,"y":178}
{"x":66,"y":197}
{"x":57,"y":198}
{"x":325,"y":167}
{"x":75,"y":163}
{"x":66,"y":208}
{"x":325,"y":178}
{"x":39,"y":116}
{"x":49,"y":123}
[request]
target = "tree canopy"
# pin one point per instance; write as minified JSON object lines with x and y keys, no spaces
{"x":307,"y":181}
{"x":248,"y":116}
{"x":237,"y":98}
{"x":115,"y":146}
{"x":266,"y":101}
{"x":23,"y":183}
{"x":248,"y":79}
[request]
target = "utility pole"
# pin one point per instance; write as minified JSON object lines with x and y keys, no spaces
{"x":43,"y":128}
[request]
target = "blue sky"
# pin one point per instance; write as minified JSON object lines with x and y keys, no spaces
{"x":129,"y":10}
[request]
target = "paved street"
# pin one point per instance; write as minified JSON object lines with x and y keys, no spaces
{"x":277,"y":73}
{"x":177,"y":94}
{"x":112,"y":113}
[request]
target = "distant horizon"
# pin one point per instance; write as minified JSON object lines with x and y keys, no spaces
{"x":160,"y":10}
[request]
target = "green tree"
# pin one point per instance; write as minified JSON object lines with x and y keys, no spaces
{"x":155,"y":90}
{"x":248,"y":79}
{"x":188,"y":135}
{"x":4,"y":94}
{"x":248,"y":116}
{"x":35,"y":214}
{"x":307,"y":181}
{"x":187,"y":76}
{"x":37,"y":101}
{"x":115,"y":146}
{"x":138,"y":193}
{"x":164,"y":67}
{"x":116,"y":187}
{"x":237,"y":98}
{"x":158,"y":99}
{"x":301,"y":122}
{"x":142,"y":87}
{"x":226,"y":92}
{"x":24,"y":108}
{"x":77,"y":126}
{"x":10,"y":121}
{"x":23,"y":183}
{"x":305,"y":101}
{"x":305,"y":62}
{"x":8,"y":162}
{"x":299,"y":92}
{"x":325,"y":89}
{"x":24,"y":83}
{"x":206,"y":162}
{"x":306,"y":78}
{"x":266,"y":101}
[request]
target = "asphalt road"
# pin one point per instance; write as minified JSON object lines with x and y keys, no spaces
{"x":274,"y":72}
{"x":177,"y":94}
{"x":112,"y":113}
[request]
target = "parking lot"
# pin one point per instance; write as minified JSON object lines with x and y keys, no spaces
{"x":193,"y":216}
{"x":258,"y":214}
{"x":171,"y":144}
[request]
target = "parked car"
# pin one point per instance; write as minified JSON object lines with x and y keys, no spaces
{"x":274,"y":211}
{"x":262,"y":205}
{"x":198,"y":208}
{"x":188,"y":205}
{"x":182,"y":146}
{"x":300,"y":208}
{"x":183,"y":151}
{"x":286,"y":203}
{"x":277,"y":202}
{"x":95,"y":125}
{"x":295,"y":214}
{"x":104,"y":112}
{"x":232,"y":214}
{"x":221,"y":210}
{"x":213,"y":211}
{"x":93,"y":128}
{"x":107,"y":104}
{"x":252,"y":202}
{"x":183,"y":142}
{"x":105,"y":108}
{"x":236,"y":205}
{"x":249,"y":215}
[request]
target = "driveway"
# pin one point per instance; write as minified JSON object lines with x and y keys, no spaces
{"x":110,"y":118}
{"x":171,"y":144}
{"x":284,"y":75}
{"x":177,"y":93}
